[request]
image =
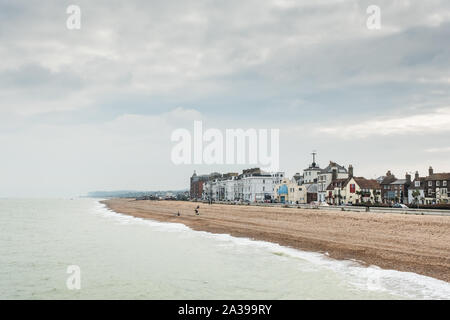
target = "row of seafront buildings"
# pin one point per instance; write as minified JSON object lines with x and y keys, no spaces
{"x":334,"y":184}
{"x":253,"y":185}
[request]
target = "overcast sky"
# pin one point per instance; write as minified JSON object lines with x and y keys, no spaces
{"x":94,"y":109}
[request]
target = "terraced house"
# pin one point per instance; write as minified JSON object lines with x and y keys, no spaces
{"x":437,"y":187}
{"x":416,"y":191}
{"x":253,"y":185}
{"x":395,"y":190}
{"x":332,"y":172}
{"x":334,"y":185}
{"x":336,"y":192}
{"x":290,"y":192}
{"x":362,"y":190}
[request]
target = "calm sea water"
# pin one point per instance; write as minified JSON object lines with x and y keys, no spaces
{"x":121,"y":257}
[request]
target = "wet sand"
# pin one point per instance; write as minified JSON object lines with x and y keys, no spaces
{"x":412,"y":243}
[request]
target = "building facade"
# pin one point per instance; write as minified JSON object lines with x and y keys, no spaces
{"x":436,"y":189}
{"x":253,"y":185}
{"x":395,"y":190}
{"x":359,"y":190}
{"x":416,"y":192}
{"x":386,"y":193}
{"x":332,"y":172}
{"x":290,"y":192}
{"x":197,"y":186}
{"x":336,"y":192}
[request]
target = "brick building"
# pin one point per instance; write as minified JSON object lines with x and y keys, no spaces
{"x":197,"y":183}
{"x":436,"y":187}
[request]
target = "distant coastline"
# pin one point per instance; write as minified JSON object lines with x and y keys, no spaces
{"x":136,"y":194}
{"x":419,"y":244}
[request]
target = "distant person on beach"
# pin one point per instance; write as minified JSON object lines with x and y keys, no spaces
{"x":196,"y":211}
{"x":178,"y":214}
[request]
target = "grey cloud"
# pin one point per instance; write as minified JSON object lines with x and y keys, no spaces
{"x":36,"y":76}
{"x":248,"y":63}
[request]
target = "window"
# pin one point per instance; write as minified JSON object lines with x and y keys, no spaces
{"x":417,"y":183}
{"x":430,"y":191}
{"x":430,"y":183}
{"x":438,"y":183}
{"x":444,"y":183}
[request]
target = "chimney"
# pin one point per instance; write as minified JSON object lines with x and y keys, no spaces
{"x":430,"y":171}
{"x":350,"y":171}
{"x":334,"y":175}
{"x":408,"y":178}
{"x":416,"y":176}
{"x":389,"y":173}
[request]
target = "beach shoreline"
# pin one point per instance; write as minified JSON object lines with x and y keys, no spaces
{"x":419,"y":244}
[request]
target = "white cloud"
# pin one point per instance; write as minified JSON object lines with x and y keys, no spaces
{"x":438,"y":150}
{"x":437,"y":121}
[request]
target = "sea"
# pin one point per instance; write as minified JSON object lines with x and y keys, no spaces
{"x":79,"y":249}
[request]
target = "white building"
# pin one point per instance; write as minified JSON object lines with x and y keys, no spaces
{"x":310,"y":174}
{"x":230,"y":188}
{"x":416,"y":191}
{"x":220,"y":187}
{"x":258,"y":186}
{"x":332,"y":172}
{"x":253,"y":185}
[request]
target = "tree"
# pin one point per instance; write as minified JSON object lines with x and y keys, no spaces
{"x":416,"y":194}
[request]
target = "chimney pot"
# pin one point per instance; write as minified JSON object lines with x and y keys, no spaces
{"x":334,"y":175}
{"x":408,"y":177}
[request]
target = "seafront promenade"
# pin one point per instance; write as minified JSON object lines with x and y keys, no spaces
{"x":412,"y":211}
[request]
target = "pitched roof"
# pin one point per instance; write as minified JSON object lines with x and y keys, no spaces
{"x":364,"y":183}
{"x":399,"y":181}
{"x":389,"y":179}
{"x":439,"y":176}
{"x":380,"y":178}
{"x":329,"y":168}
{"x":334,"y":183}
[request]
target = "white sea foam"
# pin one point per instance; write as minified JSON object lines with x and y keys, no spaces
{"x":372,"y":278}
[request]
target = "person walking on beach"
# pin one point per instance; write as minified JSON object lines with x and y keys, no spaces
{"x":196,"y":210}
